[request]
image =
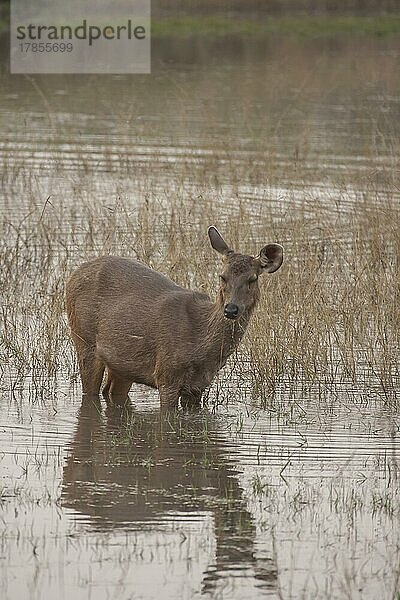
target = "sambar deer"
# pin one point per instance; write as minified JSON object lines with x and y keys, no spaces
{"x":144,"y":328}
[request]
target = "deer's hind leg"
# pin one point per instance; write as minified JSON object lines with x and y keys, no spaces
{"x":91,"y":367}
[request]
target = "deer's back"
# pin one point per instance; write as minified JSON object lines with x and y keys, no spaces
{"x":110,"y":276}
{"x":131,"y":313}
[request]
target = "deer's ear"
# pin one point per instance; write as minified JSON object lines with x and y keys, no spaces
{"x":271,"y":257}
{"x":217,"y":241}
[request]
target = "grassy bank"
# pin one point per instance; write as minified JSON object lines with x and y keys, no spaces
{"x":303,"y":26}
{"x":264,"y":25}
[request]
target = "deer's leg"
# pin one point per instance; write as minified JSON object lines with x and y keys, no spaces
{"x":169,"y":397}
{"x":118,"y":388}
{"x":190,"y":401}
{"x":106,"y":388}
{"x":91,"y":368}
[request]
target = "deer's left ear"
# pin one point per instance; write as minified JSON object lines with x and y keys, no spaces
{"x":270,"y":257}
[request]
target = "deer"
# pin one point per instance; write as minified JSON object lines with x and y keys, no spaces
{"x":138,"y":326}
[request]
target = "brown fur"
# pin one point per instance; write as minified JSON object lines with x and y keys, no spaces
{"x":144,"y":328}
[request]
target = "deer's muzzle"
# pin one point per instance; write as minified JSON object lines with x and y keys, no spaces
{"x":231,"y":311}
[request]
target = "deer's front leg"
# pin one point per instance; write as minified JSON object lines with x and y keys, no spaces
{"x":169,"y":397}
{"x":192,"y":400}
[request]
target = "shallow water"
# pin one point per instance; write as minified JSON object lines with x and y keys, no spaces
{"x":296,"y":501}
{"x":320,"y":108}
{"x":238,"y":503}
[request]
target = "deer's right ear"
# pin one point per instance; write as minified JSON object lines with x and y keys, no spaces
{"x":217,"y":241}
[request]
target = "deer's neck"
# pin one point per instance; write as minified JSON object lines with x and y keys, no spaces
{"x":222,"y":336}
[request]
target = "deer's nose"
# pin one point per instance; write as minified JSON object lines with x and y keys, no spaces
{"x":231,"y":311}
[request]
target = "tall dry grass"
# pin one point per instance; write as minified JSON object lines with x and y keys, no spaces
{"x":330,"y":315}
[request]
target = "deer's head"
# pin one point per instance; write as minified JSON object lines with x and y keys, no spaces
{"x":239,"y":290}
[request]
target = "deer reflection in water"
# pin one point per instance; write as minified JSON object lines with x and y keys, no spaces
{"x":162,"y":467}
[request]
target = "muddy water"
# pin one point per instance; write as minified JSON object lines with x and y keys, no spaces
{"x":234,"y":503}
{"x":298,"y":501}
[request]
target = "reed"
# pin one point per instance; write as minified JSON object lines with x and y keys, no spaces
{"x":330,"y":315}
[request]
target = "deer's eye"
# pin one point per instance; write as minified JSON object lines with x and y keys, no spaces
{"x":222,"y":278}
